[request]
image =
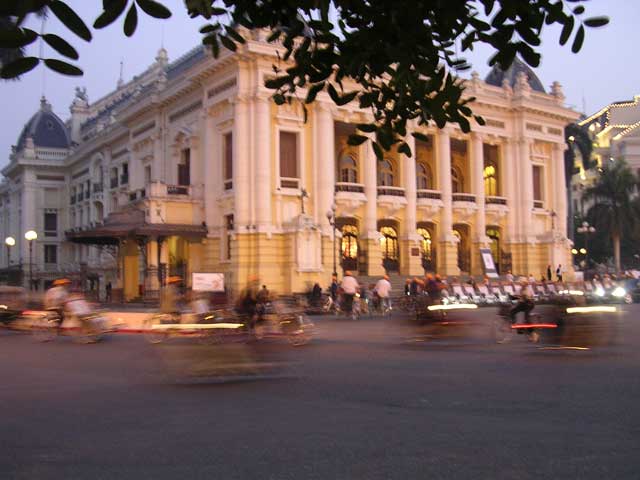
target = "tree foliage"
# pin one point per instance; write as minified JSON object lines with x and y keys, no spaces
{"x":403,"y":55}
{"x":612,"y":209}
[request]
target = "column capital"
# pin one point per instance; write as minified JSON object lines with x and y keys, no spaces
{"x":524,"y":140}
{"x":559,"y":147}
{"x":475,"y":136}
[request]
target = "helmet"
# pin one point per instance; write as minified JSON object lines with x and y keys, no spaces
{"x":386,"y":277}
{"x":61,"y":281}
{"x":347,"y":273}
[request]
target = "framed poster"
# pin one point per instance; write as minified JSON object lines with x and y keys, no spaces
{"x":207,"y":282}
{"x":487,"y":263}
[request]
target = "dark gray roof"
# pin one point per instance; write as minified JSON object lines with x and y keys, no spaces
{"x":46,"y":129}
{"x":497,"y":75}
{"x":186,"y":61}
{"x":106,"y":112}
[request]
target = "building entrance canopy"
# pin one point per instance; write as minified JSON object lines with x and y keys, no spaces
{"x":125,"y":224}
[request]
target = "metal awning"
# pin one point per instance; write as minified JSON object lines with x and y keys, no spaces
{"x":122,"y":225}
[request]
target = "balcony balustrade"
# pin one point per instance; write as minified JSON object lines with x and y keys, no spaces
{"x":463,"y":197}
{"x":492,"y":200}
{"x":391,"y":191}
{"x":177,"y":190}
{"x":430,"y":194}
{"x":349,"y":187}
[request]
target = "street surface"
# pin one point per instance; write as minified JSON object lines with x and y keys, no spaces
{"x":365,"y":400}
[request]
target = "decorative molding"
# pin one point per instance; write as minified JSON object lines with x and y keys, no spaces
{"x":185,"y":111}
{"x":221,"y":87}
{"x":80,"y":174}
{"x":144,"y":129}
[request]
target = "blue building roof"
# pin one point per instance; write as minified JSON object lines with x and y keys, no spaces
{"x":46,"y":129}
{"x":496,"y":76}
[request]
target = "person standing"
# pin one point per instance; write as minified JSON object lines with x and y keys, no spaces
{"x":333,"y":289}
{"x":559,"y":273}
{"x":549,"y":272}
{"x":108,"y":291}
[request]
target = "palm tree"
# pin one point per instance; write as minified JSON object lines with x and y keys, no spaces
{"x":612,"y":209}
{"x":576,"y":137}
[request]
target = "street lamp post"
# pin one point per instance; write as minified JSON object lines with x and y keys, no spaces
{"x":331,"y":216}
{"x":586,"y":229}
{"x":9,"y":242}
{"x":30,"y":236}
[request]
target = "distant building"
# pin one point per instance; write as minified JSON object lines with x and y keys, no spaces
{"x":189,"y":167}
{"x":615,"y":132}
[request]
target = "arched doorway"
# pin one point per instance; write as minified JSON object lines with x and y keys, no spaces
{"x":349,"y":247}
{"x":426,"y":232}
{"x":389,"y":246}
{"x":493,"y":233}
{"x":464,"y":253}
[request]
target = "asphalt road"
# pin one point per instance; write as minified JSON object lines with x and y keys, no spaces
{"x":365,"y":400}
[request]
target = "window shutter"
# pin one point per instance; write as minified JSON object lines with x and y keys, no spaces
{"x":537,"y":182}
{"x":288,"y":155}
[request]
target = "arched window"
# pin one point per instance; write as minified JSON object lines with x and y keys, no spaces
{"x":385,"y":173}
{"x":425,"y":243}
{"x":457,"y":180}
{"x":348,"y":168}
{"x":490,"y":175}
{"x":424,"y":177}
{"x":389,"y":243}
{"x":349,"y":242}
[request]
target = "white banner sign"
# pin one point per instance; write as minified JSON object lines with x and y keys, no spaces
{"x":208,"y":282}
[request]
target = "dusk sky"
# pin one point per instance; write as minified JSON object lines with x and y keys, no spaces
{"x":604,"y":71}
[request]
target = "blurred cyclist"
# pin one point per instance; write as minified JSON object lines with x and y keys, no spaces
{"x":525,"y":303}
{"x":56,"y":297}
{"x":170,"y":297}
{"x":383,"y":289}
{"x":349,"y":287}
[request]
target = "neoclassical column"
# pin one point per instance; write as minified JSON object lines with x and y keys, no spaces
{"x":522,"y":250}
{"x":477,"y":152}
{"x":241,"y":164}
{"x":369,"y":231}
{"x":509,"y":182}
{"x":370,"y":178}
{"x":443,"y":153}
{"x":152,"y":279}
{"x":211,"y":173}
{"x":410,"y":264}
{"x":262,"y":155}
{"x":560,"y":196}
{"x":447,"y":246}
{"x":324,"y":163}
{"x":410,"y":187}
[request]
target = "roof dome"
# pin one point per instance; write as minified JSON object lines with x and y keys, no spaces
{"x":46,"y":129}
{"x":497,"y":75}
